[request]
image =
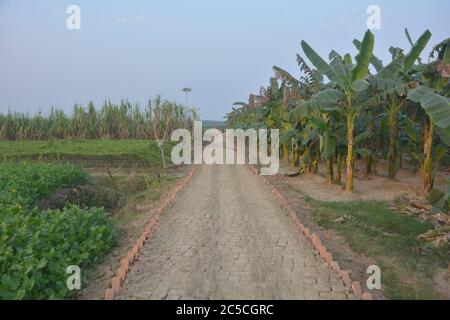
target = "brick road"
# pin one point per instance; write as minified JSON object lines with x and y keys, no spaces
{"x":227,"y":237}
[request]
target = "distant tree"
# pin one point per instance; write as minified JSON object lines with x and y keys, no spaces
{"x":187,"y":90}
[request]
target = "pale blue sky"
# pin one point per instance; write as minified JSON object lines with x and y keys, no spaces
{"x":223,"y":49}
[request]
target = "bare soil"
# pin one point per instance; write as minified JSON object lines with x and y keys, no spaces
{"x":367,"y":187}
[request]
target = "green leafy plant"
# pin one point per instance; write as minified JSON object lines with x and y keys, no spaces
{"x":36,"y":247}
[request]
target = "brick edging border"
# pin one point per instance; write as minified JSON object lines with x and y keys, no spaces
{"x":354,"y":286}
{"x":133,"y":254}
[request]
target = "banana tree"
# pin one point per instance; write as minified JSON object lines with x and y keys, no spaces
{"x":348,"y":80}
{"x":433,"y":96}
{"x":390,"y":87}
{"x":295,"y":92}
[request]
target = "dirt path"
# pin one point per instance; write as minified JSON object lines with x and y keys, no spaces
{"x":226,"y":237}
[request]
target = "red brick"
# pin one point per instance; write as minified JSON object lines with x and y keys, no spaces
{"x":121,"y":274}
{"x":345,"y":278}
{"x":316,"y":242}
{"x":307,"y":233}
{"x":109,"y":294}
{"x":130,"y":257}
{"x":125,"y":264}
{"x":115,"y":285}
{"x":140,"y":242}
{"x":356,"y":288}
{"x":322,"y":251}
{"x":328,"y":258}
{"x":366,"y":296}
{"x":135,"y":251}
{"x":335,"y":266}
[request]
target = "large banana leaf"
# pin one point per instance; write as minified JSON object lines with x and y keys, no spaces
{"x":321,"y":65}
{"x":327,"y":146}
{"x":416,"y":50}
{"x":446,"y":56}
{"x":444,"y":135}
{"x":436,"y":106}
{"x":392,"y":69}
{"x":360,"y":85}
{"x":376,"y":62}
{"x":361,"y":69}
{"x":328,"y":98}
{"x":338,"y":66}
{"x":387,"y":88}
{"x":417,"y":94}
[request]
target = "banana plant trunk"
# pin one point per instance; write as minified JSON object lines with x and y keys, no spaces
{"x":285,"y":153}
{"x":339,"y":169}
{"x":427,"y":177}
{"x":369,"y":159}
{"x":393,"y":144}
{"x":350,"y":159}
{"x":330,"y":166}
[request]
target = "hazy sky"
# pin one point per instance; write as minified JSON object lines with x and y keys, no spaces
{"x":222,"y":49}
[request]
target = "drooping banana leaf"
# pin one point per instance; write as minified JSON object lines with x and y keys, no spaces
{"x":285,"y":76}
{"x":360,"y":85}
{"x":321,"y":65}
{"x":359,"y":72}
{"x":313,"y":77}
{"x":416,"y":50}
{"x":436,"y":106}
{"x":376,"y":62}
{"x":417,"y":94}
{"x":446,"y":56}
{"x":387,"y":88}
{"x":328,"y":97}
{"x":444,"y":135}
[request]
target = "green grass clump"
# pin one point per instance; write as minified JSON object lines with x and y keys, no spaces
{"x":372,"y":229}
{"x":36,"y":247}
